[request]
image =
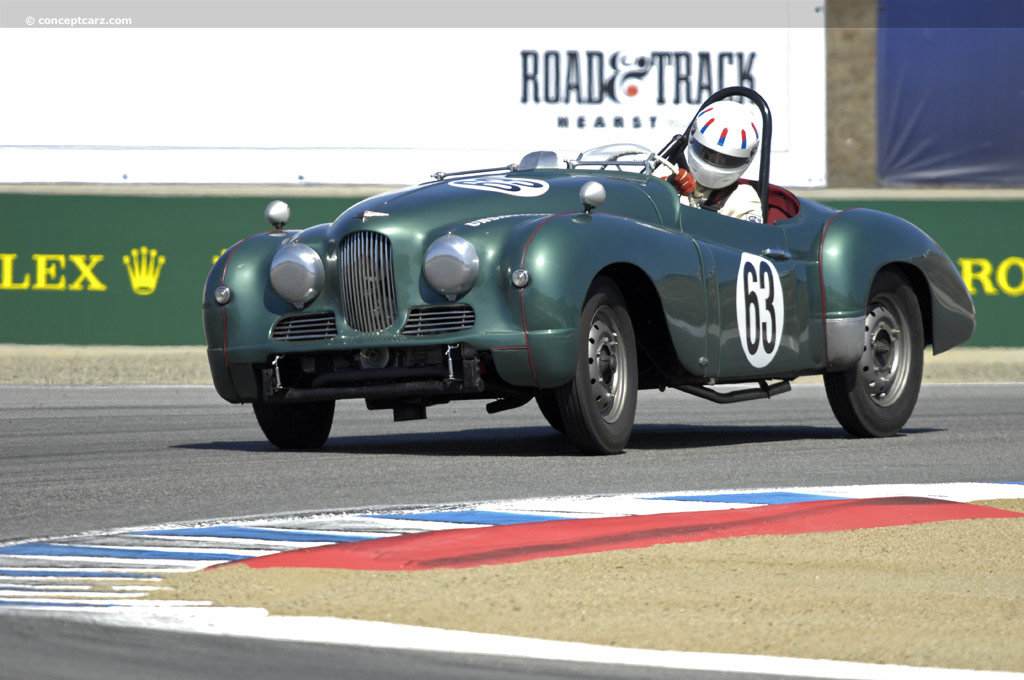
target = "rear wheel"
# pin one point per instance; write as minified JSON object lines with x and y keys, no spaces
{"x":877,"y":396}
{"x":599,"y":404}
{"x":305,"y":425}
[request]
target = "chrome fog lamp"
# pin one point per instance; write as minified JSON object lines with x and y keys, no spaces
{"x":297,"y":273}
{"x":451,"y":266}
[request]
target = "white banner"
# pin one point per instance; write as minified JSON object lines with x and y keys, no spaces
{"x":382,"y":106}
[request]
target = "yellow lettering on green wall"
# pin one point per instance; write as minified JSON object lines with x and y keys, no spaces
{"x":1003,"y":276}
{"x":86,"y":274}
{"x":977,"y":269}
{"x":7,"y":274}
{"x":1009,"y":275}
{"x":46,"y":272}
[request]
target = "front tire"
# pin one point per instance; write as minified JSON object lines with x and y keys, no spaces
{"x":876,"y":397}
{"x":547,"y":402}
{"x":304,"y":425}
{"x":599,"y":405}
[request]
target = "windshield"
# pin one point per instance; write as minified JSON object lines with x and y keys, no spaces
{"x":623,"y":154}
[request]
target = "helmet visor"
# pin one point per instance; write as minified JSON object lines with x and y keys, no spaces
{"x":716,"y":158}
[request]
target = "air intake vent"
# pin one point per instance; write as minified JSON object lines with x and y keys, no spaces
{"x":368,"y":281}
{"x":307,"y":327}
{"x":441,"y":319}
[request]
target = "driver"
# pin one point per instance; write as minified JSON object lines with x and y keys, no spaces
{"x":722,"y":143}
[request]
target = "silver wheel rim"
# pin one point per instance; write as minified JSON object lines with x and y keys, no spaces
{"x":885,"y":363}
{"x":607,"y":369}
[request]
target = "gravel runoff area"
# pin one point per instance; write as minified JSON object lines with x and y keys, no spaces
{"x":119,"y":365}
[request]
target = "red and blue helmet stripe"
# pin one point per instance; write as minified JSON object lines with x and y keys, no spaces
{"x":746,"y":141}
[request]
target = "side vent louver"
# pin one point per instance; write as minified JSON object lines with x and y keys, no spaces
{"x":439,"y":319}
{"x":306,"y":327}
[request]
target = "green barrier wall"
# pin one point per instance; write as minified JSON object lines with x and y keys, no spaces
{"x":63,"y":277}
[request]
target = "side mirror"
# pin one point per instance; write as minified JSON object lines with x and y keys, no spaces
{"x":277,"y":214}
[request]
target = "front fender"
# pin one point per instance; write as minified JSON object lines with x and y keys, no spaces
{"x":857,"y":244}
{"x":565,"y":253}
{"x":243,"y":268}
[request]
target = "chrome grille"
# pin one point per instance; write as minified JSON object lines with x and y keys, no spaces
{"x":441,"y":319}
{"x":368,"y":281}
{"x":307,"y":327}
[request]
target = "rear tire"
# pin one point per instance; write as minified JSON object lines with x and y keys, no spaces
{"x":599,"y":405}
{"x":304,"y":425}
{"x":876,"y":397}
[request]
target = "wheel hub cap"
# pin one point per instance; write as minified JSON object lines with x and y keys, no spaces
{"x":603,"y":356}
{"x":883,"y":367}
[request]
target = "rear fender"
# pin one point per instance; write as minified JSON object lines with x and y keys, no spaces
{"x":857,"y":245}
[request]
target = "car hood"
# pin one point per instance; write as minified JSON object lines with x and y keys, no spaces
{"x":473,"y":201}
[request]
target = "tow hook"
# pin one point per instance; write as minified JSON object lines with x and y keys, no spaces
{"x":277,"y":372}
{"x":451,"y":366}
{"x":271,"y":378}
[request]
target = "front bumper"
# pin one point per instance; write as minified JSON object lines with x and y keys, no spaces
{"x":435,"y":372}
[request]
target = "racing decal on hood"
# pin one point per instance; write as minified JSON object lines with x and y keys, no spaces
{"x":524,"y":188}
{"x":759,"y":309}
{"x":487,"y":220}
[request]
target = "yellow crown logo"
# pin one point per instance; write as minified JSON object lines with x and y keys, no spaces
{"x":144,"y":267}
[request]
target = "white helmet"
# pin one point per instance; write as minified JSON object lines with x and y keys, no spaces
{"x":723,"y":141}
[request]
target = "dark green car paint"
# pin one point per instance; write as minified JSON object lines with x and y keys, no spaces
{"x":860,"y":242}
{"x":679,"y":269}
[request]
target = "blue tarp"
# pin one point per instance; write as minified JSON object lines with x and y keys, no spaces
{"x":951,"y":92}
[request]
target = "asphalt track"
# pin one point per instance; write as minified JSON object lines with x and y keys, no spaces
{"x":88,"y":458}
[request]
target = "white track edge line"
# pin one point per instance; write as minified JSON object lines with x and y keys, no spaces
{"x":256,"y":623}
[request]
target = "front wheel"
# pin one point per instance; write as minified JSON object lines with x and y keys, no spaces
{"x":599,"y":404}
{"x":304,"y":425}
{"x":877,"y":396}
{"x":547,"y":402}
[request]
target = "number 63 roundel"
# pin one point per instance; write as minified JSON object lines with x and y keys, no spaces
{"x":759,"y":309}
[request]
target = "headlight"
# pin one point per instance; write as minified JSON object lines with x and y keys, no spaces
{"x":297,"y":273}
{"x":451,"y":266}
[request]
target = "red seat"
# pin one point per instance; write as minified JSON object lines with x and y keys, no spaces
{"x":782,"y":204}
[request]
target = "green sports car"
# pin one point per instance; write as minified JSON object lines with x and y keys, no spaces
{"x":575,"y":284}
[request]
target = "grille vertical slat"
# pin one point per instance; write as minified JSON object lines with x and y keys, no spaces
{"x":388,"y":310}
{"x":375,"y":258}
{"x":368,"y":281}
